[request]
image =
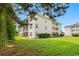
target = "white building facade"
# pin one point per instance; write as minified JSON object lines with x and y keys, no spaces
{"x":72,"y":29}
{"x":40,"y":24}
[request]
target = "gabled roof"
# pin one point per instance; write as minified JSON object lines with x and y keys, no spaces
{"x":74,"y":25}
{"x":53,"y":20}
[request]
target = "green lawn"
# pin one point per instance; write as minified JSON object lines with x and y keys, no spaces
{"x":61,"y":46}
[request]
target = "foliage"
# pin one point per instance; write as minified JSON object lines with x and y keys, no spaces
{"x":61,"y":35}
{"x":7,"y":25}
{"x":8,"y":13}
{"x":11,"y":29}
{"x":75,"y":35}
{"x":53,"y":10}
{"x":44,"y":35}
{"x":3,"y":27}
{"x":16,"y":33}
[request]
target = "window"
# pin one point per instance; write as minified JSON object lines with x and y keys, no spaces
{"x":30,"y":25}
{"x":24,"y":28}
{"x":36,"y":25}
{"x":30,"y":33}
{"x":45,"y":27}
{"x":24,"y":34}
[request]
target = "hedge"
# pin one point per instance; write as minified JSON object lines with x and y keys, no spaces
{"x":44,"y":35}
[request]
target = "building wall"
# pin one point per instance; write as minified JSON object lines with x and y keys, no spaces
{"x":23,"y":31}
{"x":67,"y":31}
{"x":31,"y":31}
{"x":44,"y":25}
{"x":40,"y":24}
{"x":75,"y":30}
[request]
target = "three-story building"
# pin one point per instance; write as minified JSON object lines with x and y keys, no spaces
{"x":72,"y":29}
{"x":40,"y":24}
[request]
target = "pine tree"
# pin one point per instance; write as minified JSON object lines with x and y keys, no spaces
{"x":8,"y":16}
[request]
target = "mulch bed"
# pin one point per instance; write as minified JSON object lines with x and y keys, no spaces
{"x":11,"y":51}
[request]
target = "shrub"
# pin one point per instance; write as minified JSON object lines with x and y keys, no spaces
{"x":75,"y":35}
{"x":61,"y":35}
{"x":44,"y":35}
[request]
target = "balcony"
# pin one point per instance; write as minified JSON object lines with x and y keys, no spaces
{"x":74,"y":32}
{"x":55,"y":30}
{"x":55,"y":26}
{"x":25,"y":29}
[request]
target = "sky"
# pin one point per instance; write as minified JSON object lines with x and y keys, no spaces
{"x":71,"y":16}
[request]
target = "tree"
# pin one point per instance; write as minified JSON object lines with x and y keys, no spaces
{"x":11,"y":30}
{"x":7,"y":28}
{"x":3,"y":27}
{"x":55,"y":9}
{"x":8,"y":14}
{"x":52,"y":9}
{"x":10,"y":24}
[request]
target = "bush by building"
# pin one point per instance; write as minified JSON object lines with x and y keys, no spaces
{"x":44,"y":35}
{"x":75,"y":35}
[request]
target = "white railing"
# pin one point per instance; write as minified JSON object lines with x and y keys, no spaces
{"x":75,"y":32}
{"x":55,"y":30}
{"x":53,"y":25}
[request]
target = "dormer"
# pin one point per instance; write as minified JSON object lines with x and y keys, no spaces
{"x":46,"y":15}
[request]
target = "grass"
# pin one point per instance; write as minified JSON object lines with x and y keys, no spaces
{"x":61,"y":46}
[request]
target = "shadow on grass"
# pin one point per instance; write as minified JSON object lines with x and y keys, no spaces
{"x":41,"y":48}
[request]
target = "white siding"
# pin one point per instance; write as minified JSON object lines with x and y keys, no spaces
{"x":71,"y":30}
{"x":44,"y":25}
{"x":67,"y":31}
